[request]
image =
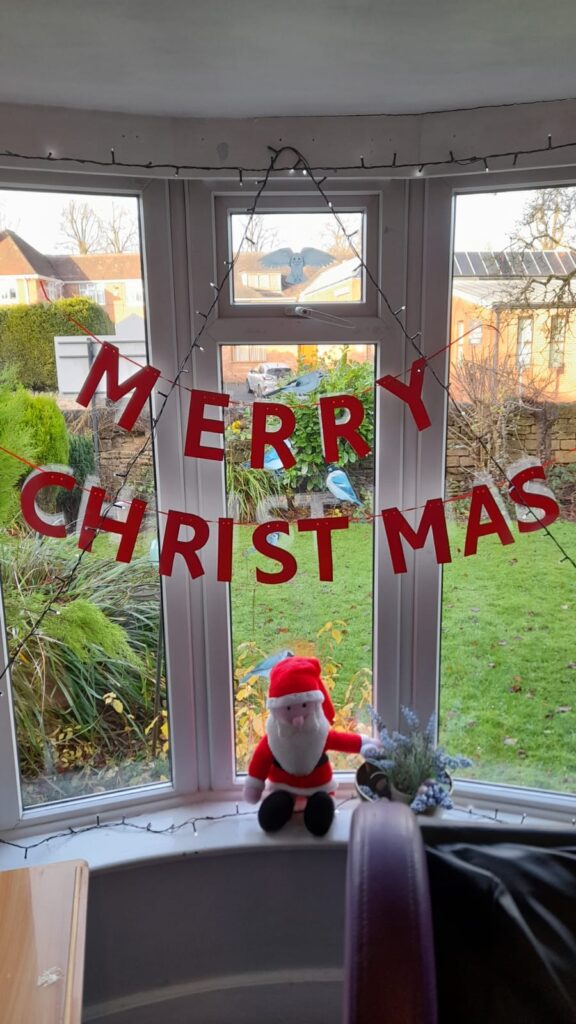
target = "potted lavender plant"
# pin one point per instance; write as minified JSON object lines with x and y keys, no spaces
{"x":409,"y":767}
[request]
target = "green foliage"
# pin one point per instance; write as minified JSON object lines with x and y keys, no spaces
{"x":84,"y":683}
{"x":48,"y":427}
{"x":16,"y":435}
{"x":27,"y":336}
{"x":245,"y":487}
{"x":90,"y":635}
{"x":356,"y":379}
{"x":82,"y":464}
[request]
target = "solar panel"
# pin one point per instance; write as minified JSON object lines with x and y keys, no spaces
{"x":555,"y":264}
{"x":477,"y":264}
{"x":490,"y":263}
{"x":541,"y":263}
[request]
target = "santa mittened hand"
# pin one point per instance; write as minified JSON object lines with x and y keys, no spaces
{"x":252,"y":791}
{"x":370,"y":747}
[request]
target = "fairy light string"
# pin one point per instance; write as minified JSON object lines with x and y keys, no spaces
{"x":469,"y":160}
{"x":460,"y":814}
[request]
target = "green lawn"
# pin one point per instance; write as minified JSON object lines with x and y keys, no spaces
{"x":508,"y":679}
{"x":289,"y":616}
{"x":508,"y":641}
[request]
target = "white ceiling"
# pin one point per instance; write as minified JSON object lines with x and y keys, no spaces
{"x":242,"y":58}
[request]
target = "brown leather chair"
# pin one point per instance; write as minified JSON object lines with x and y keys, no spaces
{"x":389,"y":946}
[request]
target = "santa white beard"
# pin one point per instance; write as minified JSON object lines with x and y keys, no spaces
{"x":298,"y":750}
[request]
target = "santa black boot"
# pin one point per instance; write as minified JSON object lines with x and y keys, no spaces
{"x":319,"y":814}
{"x":275,"y":810}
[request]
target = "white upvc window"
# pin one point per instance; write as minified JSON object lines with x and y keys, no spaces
{"x":406,"y":242}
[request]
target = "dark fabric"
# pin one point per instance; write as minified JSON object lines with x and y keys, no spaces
{"x":504,"y":917}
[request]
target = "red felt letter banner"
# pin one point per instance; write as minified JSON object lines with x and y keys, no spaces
{"x":331,"y":430}
{"x":263,"y":545}
{"x":277,"y":438}
{"x":484,"y":501}
{"x":410,"y":393}
{"x":197,"y":424}
{"x":141,"y":383}
{"x":34,"y":483}
{"x":94,"y":522}
{"x":172,"y":546}
{"x":533,"y":499}
{"x":323,"y":530}
{"x":433,"y":518}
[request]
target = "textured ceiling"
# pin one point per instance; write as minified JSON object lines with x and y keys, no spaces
{"x":242,"y":58}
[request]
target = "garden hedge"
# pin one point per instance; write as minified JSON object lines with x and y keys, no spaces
{"x":27,"y":336}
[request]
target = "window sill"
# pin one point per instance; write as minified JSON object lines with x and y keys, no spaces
{"x":142,"y":838}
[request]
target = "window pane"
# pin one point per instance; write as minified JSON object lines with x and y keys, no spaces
{"x":297,"y":257}
{"x":507,"y":666}
{"x":89,"y":686}
{"x":306,"y":616}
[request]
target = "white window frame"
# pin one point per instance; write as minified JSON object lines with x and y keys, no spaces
{"x":413,"y":260}
{"x":162,"y":209}
{"x":234,"y":325}
{"x":438,"y":226}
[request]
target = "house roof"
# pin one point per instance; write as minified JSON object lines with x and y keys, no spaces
{"x":106,"y":266}
{"x":18,"y":257}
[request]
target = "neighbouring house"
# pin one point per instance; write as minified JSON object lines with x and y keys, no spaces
{"x":340,"y":282}
{"x":516,"y":311}
{"x":113,"y":280}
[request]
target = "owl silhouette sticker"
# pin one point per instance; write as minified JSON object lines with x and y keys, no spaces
{"x":296,"y":261}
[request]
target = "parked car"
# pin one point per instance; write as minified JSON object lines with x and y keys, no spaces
{"x":266,"y":377}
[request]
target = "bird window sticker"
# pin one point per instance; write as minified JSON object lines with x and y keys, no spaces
{"x":297,"y":257}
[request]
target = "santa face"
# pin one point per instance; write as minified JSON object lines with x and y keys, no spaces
{"x":297,"y":733}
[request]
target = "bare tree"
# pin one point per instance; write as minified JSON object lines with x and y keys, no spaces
{"x":260,"y":236}
{"x":86,"y":232}
{"x":81,"y":227}
{"x":492,"y":391}
{"x":119,"y":233}
{"x":548,"y":221}
{"x":340,"y":235}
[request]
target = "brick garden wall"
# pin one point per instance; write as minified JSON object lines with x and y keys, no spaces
{"x":549,"y":433}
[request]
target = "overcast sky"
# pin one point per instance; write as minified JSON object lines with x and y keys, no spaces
{"x":483,"y":221}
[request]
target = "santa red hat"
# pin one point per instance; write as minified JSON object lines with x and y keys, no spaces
{"x":298,"y":680}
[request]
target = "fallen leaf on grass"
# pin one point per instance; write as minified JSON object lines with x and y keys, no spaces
{"x":515,"y":688}
{"x":510,"y":741}
{"x":563,"y":709}
{"x":571,"y":664}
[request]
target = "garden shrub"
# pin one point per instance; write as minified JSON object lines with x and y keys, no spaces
{"x":82,"y":463}
{"x":48,"y":427}
{"x":309,"y":473}
{"x":27,"y":336}
{"x":17,"y":436}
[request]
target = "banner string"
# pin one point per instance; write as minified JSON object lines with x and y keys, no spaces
{"x":302,"y":164}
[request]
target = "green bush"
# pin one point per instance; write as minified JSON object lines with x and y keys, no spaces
{"x":309,"y":473}
{"x":27,"y":336}
{"x":82,"y":464}
{"x":48,"y":427}
{"x":16,"y":436}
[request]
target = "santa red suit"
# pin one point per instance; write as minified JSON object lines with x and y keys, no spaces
{"x":295,"y":759}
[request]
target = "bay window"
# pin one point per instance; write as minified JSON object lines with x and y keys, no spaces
{"x":171,"y":699}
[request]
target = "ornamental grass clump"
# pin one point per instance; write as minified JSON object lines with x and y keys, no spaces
{"x":414,"y":765}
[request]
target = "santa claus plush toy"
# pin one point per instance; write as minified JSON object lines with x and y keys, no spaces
{"x":292,"y":756}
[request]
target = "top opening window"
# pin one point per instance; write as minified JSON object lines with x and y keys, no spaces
{"x":297,"y":257}
{"x":296,"y":251}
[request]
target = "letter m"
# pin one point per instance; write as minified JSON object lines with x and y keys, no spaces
{"x":433,"y":520}
{"x":141,"y":383}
